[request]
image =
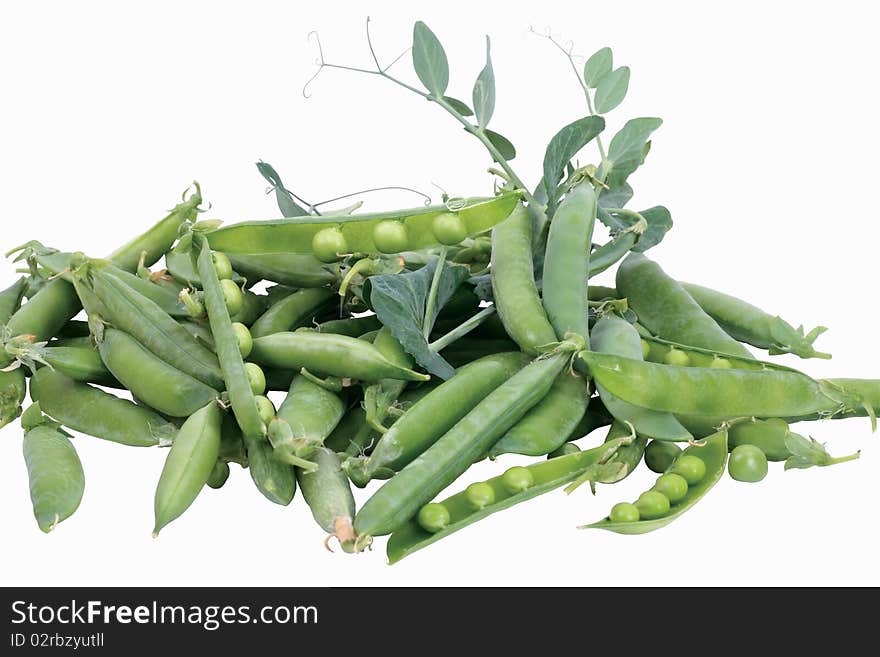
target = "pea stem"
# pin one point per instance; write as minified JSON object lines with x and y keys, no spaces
{"x":432,"y":294}
{"x":462,"y":330}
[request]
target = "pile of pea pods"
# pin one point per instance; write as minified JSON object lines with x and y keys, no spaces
{"x":405,"y":347}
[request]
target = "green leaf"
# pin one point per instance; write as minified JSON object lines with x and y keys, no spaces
{"x":628,"y":149}
{"x":562,"y":148}
{"x":399,"y":301}
{"x":615,"y":197}
{"x":484,"y":91}
{"x":597,"y":66}
{"x":659,"y":222}
{"x":429,"y":60}
{"x":288,"y":207}
{"x":483,"y":287}
{"x":502,"y":143}
{"x":611,"y":89}
{"x":458,"y":106}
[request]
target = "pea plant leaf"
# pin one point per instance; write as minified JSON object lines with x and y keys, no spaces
{"x":400,"y":300}
{"x":458,"y":106}
{"x":505,"y":148}
{"x":659,"y":223}
{"x":611,"y":89}
{"x":615,"y":197}
{"x":429,"y":60}
{"x":288,"y":207}
{"x":484,"y":91}
{"x":628,"y":149}
{"x":562,"y":148}
{"x":597,"y":67}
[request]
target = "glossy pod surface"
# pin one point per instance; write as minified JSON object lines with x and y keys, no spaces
{"x":298,"y":270}
{"x":293,"y":311}
{"x":81,"y":363}
{"x":295,"y":234}
{"x":713,"y":452}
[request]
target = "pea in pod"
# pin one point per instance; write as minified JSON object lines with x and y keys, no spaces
{"x":92,"y":411}
{"x":495,"y":495}
{"x":54,"y":470}
{"x":325,"y":353}
{"x":294,"y":269}
{"x":713,"y":452}
{"x":292,"y":312}
{"x":189,"y":465}
{"x":296,"y":234}
{"x":400,"y":498}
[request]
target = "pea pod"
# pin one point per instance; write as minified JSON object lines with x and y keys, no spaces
{"x":463,"y":511}
{"x":146,"y":322}
{"x":747,"y":323}
{"x":352,"y":326}
{"x":312,"y":412}
{"x":92,"y":411}
{"x":294,"y":269}
{"x":667,"y":310}
{"x":327,"y":492}
{"x":567,"y":262}
{"x":614,"y":335}
{"x":180,"y":265}
{"x":296,"y":234}
{"x":81,"y":363}
{"x":379,"y":396}
{"x":188,"y":465}
{"x":611,"y":252}
{"x":252,"y":306}
{"x":10,"y":299}
{"x":658,"y":351}
{"x":241,"y":396}
{"x":435,"y":414}
{"x":713,"y":452}
{"x":727,"y":393}
{"x":513,"y":283}
{"x":274,"y":479}
{"x":292,"y":312}
{"x":54,"y":470}
{"x":400,"y":497}
{"x":325,"y":353}
{"x":149,"y":378}
{"x":549,"y":424}
{"x":13,"y":388}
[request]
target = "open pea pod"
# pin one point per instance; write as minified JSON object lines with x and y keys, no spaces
{"x":546,"y":476}
{"x":295,"y":234}
{"x":713,"y":452}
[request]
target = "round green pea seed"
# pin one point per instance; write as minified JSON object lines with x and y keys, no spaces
{"x":721,"y":363}
{"x":673,"y":486}
{"x":652,"y":505}
{"x":233,"y":296}
{"x":244,"y":337}
{"x":390,"y":236}
{"x":692,"y":468}
{"x":659,"y":455}
{"x":517,"y":479}
{"x":624,"y":512}
{"x":433,"y":517}
{"x":329,"y":244}
{"x":480,"y":495}
{"x":747,"y":463}
{"x":677,"y":357}
{"x":256,"y":378}
{"x":221,"y":265}
{"x":266,"y":408}
{"x":219,"y":475}
{"x":449,"y":229}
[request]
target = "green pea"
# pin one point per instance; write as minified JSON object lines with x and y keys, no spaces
{"x":232,"y":295}
{"x":624,"y":512}
{"x":244,"y":338}
{"x":256,"y":378}
{"x":449,"y":229}
{"x":677,"y":357}
{"x":721,"y":363}
{"x":517,"y":479}
{"x":480,"y":495}
{"x":659,"y":455}
{"x":433,"y":517}
{"x":652,"y":505}
{"x":222,"y":265}
{"x":219,"y":475}
{"x":328,"y":244}
{"x":672,"y":485}
{"x":692,"y":468}
{"x":390,"y":236}
{"x":266,"y":408}
{"x":747,"y":463}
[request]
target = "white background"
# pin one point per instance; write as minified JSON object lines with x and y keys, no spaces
{"x":766,"y":160}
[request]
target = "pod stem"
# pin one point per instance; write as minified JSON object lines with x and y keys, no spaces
{"x":461,"y":330}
